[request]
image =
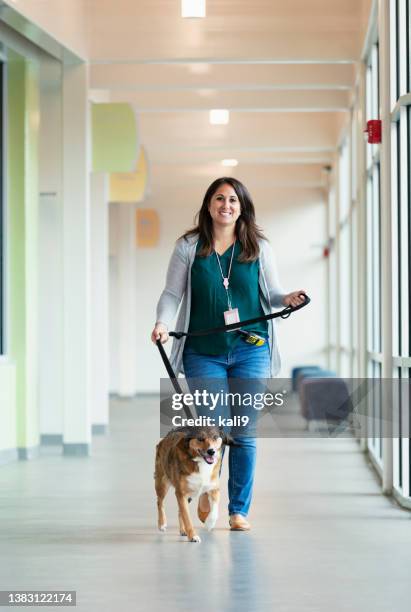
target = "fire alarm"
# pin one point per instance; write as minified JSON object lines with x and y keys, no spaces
{"x":374,"y":131}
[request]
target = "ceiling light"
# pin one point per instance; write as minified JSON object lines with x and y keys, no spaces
{"x":193,"y":8}
{"x":199,"y":68}
{"x":219,"y":116}
{"x":230,"y":162}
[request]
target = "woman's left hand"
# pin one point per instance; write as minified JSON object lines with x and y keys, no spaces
{"x":295,"y":298}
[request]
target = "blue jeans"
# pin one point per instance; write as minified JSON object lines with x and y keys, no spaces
{"x":242,"y":362}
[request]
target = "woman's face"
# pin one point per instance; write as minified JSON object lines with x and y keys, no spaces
{"x":224,"y":206}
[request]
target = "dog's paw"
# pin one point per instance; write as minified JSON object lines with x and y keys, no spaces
{"x":195,"y":538}
{"x":183,"y":533}
{"x":211,"y":519}
{"x":163,"y":527}
{"x":210,"y":522}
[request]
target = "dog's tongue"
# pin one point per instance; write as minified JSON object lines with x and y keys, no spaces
{"x":209,"y":459}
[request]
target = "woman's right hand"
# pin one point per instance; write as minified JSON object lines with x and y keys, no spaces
{"x":160,"y":332}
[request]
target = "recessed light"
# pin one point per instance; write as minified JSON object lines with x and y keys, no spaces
{"x":230,"y":162}
{"x":193,"y":8}
{"x":199,"y":68}
{"x":219,"y":116}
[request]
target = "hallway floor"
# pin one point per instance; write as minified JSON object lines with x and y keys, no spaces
{"x":323,"y":538}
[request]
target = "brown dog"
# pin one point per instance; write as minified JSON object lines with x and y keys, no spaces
{"x":189,"y":458}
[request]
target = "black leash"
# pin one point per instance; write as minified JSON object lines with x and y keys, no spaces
{"x":283,"y":314}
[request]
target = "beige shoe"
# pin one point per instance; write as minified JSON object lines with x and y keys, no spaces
{"x":238,"y":522}
{"x":203,"y":514}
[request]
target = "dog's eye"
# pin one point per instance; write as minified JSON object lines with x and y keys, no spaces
{"x":201,"y":438}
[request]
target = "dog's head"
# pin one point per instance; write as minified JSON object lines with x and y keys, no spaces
{"x":204,"y":443}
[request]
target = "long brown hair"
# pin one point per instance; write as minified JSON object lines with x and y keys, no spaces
{"x":246,"y":229}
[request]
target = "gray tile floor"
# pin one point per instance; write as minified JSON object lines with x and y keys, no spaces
{"x":323,"y":538}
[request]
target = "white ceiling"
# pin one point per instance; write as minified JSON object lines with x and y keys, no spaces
{"x":252,"y":29}
{"x":285,"y":69}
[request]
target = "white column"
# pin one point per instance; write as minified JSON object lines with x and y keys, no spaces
{"x":99,"y":302}
{"x":386,"y":248}
{"x":126,"y":302}
{"x":50,"y":254}
{"x":113,"y":299}
{"x":76,"y":262}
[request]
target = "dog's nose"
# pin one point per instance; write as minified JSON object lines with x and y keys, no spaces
{"x":211,"y":451}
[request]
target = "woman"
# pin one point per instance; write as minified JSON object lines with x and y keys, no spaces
{"x":224,"y":271}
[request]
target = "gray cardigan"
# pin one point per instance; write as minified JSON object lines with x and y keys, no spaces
{"x":178,"y":287}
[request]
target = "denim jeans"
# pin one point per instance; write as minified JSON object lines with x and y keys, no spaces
{"x":242,"y":362}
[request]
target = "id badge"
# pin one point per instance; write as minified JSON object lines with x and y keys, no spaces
{"x":231,"y":316}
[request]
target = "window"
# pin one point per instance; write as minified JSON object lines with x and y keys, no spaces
{"x":373,"y":229}
{"x":401,"y":214}
{"x":354,"y":291}
{"x":345,"y":258}
{"x":332,"y":281}
{"x":356,"y":120}
{"x":401,"y":237}
{"x":373,"y":217}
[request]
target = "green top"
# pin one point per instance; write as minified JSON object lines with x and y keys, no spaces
{"x":209,"y":300}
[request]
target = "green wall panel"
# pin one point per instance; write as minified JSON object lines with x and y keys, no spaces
{"x":8,"y":406}
{"x":114,"y":137}
{"x":22,"y":203}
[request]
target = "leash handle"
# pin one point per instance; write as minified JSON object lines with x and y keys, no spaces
{"x":285,"y":313}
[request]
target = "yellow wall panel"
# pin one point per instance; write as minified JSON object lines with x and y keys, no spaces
{"x":130,"y":187}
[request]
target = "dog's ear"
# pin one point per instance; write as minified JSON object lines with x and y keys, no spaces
{"x":179,"y":439}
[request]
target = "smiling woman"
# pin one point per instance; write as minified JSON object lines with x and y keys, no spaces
{"x":227,"y":204}
{"x":224,"y":269}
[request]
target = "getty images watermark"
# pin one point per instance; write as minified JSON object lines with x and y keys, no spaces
{"x":210,"y":402}
{"x":270,"y":408}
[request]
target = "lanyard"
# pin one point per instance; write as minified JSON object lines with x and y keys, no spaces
{"x":226,"y":279}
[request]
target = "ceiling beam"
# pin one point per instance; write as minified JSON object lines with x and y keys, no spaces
{"x":220,"y":87}
{"x":253,"y":109}
{"x":228,"y":61}
{"x":195,"y":77}
{"x":265,"y":149}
